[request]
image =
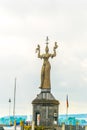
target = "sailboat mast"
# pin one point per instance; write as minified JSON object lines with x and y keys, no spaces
{"x":14,"y":98}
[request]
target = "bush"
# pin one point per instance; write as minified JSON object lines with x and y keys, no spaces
{"x":27,"y":127}
{"x":39,"y":127}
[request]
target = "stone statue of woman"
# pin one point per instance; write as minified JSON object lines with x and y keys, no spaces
{"x":45,"y":71}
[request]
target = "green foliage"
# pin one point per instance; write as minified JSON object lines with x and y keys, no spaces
{"x":36,"y":127}
{"x":27,"y":127}
{"x":39,"y":127}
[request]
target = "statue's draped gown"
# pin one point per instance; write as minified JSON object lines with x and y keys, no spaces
{"x":45,"y":74}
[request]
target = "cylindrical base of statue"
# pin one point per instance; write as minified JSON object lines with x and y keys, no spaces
{"x":45,"y":90}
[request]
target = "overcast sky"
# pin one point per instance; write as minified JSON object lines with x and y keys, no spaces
{"x":23,"y":25}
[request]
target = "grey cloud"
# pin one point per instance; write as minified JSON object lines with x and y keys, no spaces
{"x":23,"y":25}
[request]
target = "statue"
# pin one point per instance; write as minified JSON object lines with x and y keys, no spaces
{"x":45,"y":71}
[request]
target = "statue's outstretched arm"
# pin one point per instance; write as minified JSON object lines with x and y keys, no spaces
{"x":54,"y":49}
{"x":38,"y":51}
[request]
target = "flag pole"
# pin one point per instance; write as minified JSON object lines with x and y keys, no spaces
{"x":67,"y":105}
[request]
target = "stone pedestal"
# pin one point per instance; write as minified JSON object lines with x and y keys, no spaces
{"x":45,"y":109}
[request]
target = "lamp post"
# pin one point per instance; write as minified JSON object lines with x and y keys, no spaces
{"x":9,"y":108}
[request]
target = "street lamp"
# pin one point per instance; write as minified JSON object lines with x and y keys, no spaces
{"x":9,"y":107}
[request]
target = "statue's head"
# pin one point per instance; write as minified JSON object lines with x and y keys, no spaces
{"x":46,"y":49}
